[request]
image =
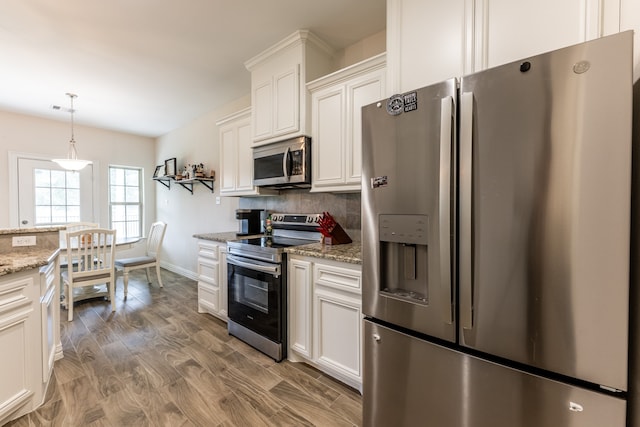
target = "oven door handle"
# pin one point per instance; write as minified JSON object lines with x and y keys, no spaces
{"x":262,"y":267}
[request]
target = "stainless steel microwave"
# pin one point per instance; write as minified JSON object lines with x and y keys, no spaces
{"x":283,"y":164}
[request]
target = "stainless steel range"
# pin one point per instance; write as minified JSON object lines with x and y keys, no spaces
{"x":256,"y":273}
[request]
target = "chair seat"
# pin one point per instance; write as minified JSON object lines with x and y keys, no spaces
{"x":65,"y":277}
{"x":132,"y":262}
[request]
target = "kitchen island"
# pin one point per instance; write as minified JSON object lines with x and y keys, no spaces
{"x":29,"y":317}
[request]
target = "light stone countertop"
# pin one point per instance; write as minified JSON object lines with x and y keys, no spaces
{"x":14,"y":262}
{"x":30,"y":230}
{"x":350,"y":252}
{"x":222,"y":237}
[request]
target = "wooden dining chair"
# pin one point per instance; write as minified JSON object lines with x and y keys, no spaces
{"x":86,"y":246}
{"x":72,"y":226}
{"x":150,"y":259}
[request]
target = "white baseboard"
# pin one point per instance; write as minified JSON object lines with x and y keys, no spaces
{"x":179,"y":270}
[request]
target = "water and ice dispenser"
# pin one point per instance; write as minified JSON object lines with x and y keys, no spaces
{"x":404,"y":257}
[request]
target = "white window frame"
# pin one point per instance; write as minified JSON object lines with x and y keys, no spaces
{"x":140,"y":202}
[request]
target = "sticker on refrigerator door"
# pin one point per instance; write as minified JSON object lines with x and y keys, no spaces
{"x":379,"y":181}
{"x":395,"y":105}
{"x":410,"y":101}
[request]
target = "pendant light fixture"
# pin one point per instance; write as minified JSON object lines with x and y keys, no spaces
{"x":72,"y":162}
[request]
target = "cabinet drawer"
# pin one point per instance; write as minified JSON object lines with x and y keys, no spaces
{"x":209,"y":296}
{"x":337,"y":277}
{"x":208,"y":250}
{"x":208,"y":271}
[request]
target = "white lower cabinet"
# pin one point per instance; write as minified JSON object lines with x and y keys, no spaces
{"x":325,"y":317}
{"x":29,"y":338}
{"x":212,"y":278}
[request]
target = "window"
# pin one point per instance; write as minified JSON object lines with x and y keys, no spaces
{"x":57,"y":196}
{"x":125,"y":201}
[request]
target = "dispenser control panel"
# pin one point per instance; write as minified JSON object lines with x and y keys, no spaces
{"x":410,"y":229}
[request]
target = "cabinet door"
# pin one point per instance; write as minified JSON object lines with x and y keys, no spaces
{"x":228,"y":159}
{"x":223,"y":296}
{"x":328,"y":137}
{"x":510,"y":30}
{"x":337,"y":332}
{"x":18,"y":337}
{"x":286,"y":102}
{"x":360,"y":92}
{"x":300,"y":308}
{"x":244,"y":173}
{"x":426,"y":42}
{"x":262,"y":100}
{"x":50,"y":324}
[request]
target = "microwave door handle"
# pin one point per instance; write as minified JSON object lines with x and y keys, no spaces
{"x":285,"y":163}
{"x":444,"y":212}
{"x":466,"y":207}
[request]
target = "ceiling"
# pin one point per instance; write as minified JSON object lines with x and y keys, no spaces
{"x":147,"y":67}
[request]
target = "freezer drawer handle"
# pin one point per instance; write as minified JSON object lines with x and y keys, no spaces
{"x":444,"y":214}
{"x":575,"y":407}
{"x":466,"y":207}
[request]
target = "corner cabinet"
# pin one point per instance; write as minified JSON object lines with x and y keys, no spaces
{"x":278,"y":85}
{"x":325,"y":317}
{"x":212,"y":278}
{"x":236,"y":155}
{"x":336,"y":103}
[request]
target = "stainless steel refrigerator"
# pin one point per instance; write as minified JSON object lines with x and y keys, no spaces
{"x":495,"y":236}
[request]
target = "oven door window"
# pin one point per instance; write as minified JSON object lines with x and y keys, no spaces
{"x":255,"y":300}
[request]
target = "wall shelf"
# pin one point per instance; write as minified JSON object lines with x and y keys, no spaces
{"x":185,"y":183}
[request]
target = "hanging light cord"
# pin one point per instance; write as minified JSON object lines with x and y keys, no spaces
{"x":73,"y":154}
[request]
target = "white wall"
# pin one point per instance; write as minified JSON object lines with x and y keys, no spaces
{"x":187,"y":214}
{"x":33,"y":135}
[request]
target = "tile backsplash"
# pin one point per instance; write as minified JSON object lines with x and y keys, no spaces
{"x":344,"y":207}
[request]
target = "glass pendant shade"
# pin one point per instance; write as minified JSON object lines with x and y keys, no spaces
{"x":72,"y":162}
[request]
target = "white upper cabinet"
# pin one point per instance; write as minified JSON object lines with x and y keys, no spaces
{"x":336,"y":103}
{"x":281,"y":105}
{"x":425,"y":42}
{"x":429,"y":41}
{"x":508,"y":30}
{"x":236,"y":155}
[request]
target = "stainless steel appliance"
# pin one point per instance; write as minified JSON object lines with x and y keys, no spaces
{"x":249,"y":221}
{"x":283,"y":164}
{"x":257,"y":285}
{"x":496,"y":245}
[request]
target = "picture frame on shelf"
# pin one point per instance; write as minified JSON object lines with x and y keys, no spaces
{"x":170,"y":167}
{"x":159,"y":171}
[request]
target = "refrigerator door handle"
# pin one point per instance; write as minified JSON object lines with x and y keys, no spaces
{"x":444,"y":214}
{"x":466,"y":213}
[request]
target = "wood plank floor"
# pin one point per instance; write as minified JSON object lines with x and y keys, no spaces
{"x":157,"y":362}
